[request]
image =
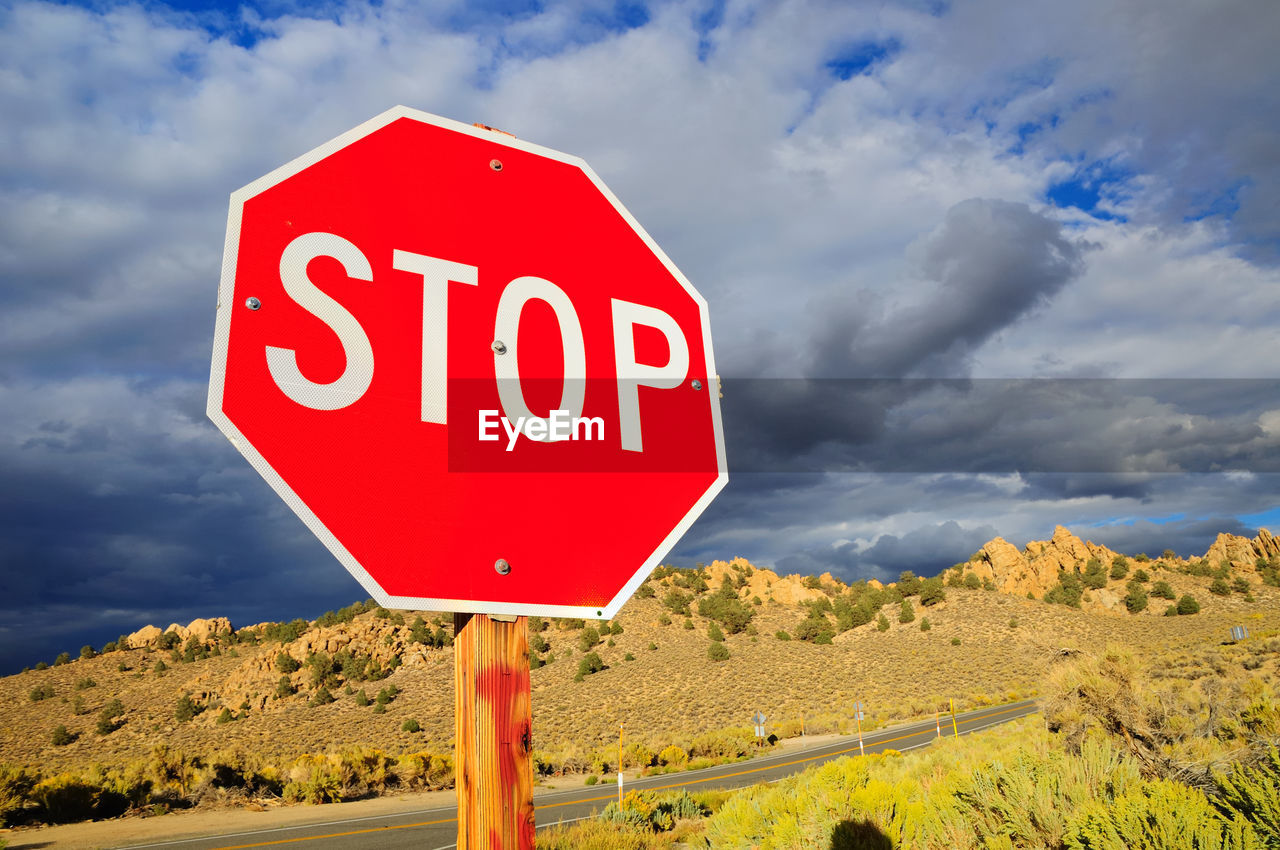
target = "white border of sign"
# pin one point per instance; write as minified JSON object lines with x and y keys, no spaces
{"x":217,"y":378}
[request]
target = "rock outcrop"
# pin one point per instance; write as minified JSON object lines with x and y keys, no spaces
{"x":1035,"y":568}
{"x":202,"y":629}
{"x":1241,"y":552}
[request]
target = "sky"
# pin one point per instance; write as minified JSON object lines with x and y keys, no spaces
{"x":973,"y":269}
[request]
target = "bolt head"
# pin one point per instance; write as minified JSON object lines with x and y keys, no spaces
{"x":502,"y":566}
{"x":498,"y":346}
{"x":252,"y":303}
{"x":697,"y":385}
{"x":495,"y":164}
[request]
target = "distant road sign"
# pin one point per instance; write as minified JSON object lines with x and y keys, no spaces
{"x":758,"y":718}
{"x":1239,"y":633}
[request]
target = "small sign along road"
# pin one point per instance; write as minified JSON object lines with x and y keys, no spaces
{"x":467,"y":368}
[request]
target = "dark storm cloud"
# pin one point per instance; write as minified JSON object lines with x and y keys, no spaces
{"x":925,"y":551}
{"x":1076,"y":426}
{"x":1188,"y":538}
{"x":122,"y":507}
{"x":992,"y":262}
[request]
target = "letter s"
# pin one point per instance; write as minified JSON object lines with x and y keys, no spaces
{"x":282,"y":363}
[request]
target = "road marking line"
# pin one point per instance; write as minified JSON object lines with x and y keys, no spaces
{"x":598,"y":799}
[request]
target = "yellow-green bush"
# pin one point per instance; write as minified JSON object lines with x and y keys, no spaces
{"x":673,"y":756}
{"x":16,"y":784}
{"x":1158,"y":815}
{"x":424,"y":771}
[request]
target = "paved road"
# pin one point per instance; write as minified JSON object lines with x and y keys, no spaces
{"x":436,"y":829}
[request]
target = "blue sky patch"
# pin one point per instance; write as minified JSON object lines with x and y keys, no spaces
{"x":1089,"y":186}
{"x":1269,"y":519}
{"x":858,"y":58}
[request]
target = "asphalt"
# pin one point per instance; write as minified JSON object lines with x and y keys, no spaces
{"x":436,"y":829}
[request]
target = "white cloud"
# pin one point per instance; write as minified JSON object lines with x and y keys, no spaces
{"x":778,"y":188}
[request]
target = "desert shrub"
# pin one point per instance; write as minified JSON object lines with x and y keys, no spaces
{"x":65,"y":798}
{"x":160,"y":666}
{"x":718,"y":651}
{"x":387,"y":695}
{"x":321,"y":670}
{"x":427,"y":771}
{"x":646,"y":591}
{"x":186,"y":709}
{"x":1142,"y":557}
{"x":673,"y":756}
{"x":1067,"y":591}
{"x":882,"y":623}
{"x":726,"y":608}
{"x":61,"y":737}
{"x":1095,"y":575}
{"x":285,"y":688}
{"x":1187,"y":604}
{"x":286,"y":632}
{"x":588,"y":639}
{"x":955,"y":641}
{"x":1220,"y":588}
{"x":932,"y":592}
{"x":628,"y":657}
{"x":908,"y":583}
{"x":714,"y":631}
{"x":972,"y":582}
{"x":664,"y":620}
{"x":1013,"y":622}
{"x":41,"y":692}
{"x":538,"y":643}
{"x":322,"y":696}
{"x":678,"y":602}
{"x":646,"y":811}
{"x":286,"y":663}
{"x":1141,"y":575}
{"x":225,"y":717}
{"x":1136,"y":598}
{"x":782,"y":634}
{"x":815,"y":628}
{"x":1163,"y":590}
{"x":688,"y":624}
{"x":592,"y":779}
{"x":85,"y":684}
{"x":1253,"y":793}
{"x":589,"y":664}
{"x":636,"y":754}
{"x":1240,"y":585}
{"x":924,"y":624}
{"x":410,"y":725}
{"x":733,"y":742}
{"x":16,"y":785}
{"x":906,"y":614}
{"x":1159,"y":814}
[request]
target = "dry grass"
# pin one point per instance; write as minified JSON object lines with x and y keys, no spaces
{"x":667,"y":695}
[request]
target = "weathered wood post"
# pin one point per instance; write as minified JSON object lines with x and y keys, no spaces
{"x":493,"y":739}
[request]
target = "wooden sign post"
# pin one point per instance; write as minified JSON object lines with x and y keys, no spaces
{"x":493,"y":738}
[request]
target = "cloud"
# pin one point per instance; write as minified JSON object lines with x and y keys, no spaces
{"x":858,"y":190}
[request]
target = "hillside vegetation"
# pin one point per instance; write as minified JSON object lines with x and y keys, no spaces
{"x":360,"y":700}
{"x":1178,"y":752}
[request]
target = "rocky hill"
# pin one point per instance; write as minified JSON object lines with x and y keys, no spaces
{"x":799,"y":648}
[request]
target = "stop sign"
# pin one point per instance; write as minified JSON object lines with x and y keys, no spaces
{"x":467,"y":368}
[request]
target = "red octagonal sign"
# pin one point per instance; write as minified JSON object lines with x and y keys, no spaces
{"x":467,"y":368}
